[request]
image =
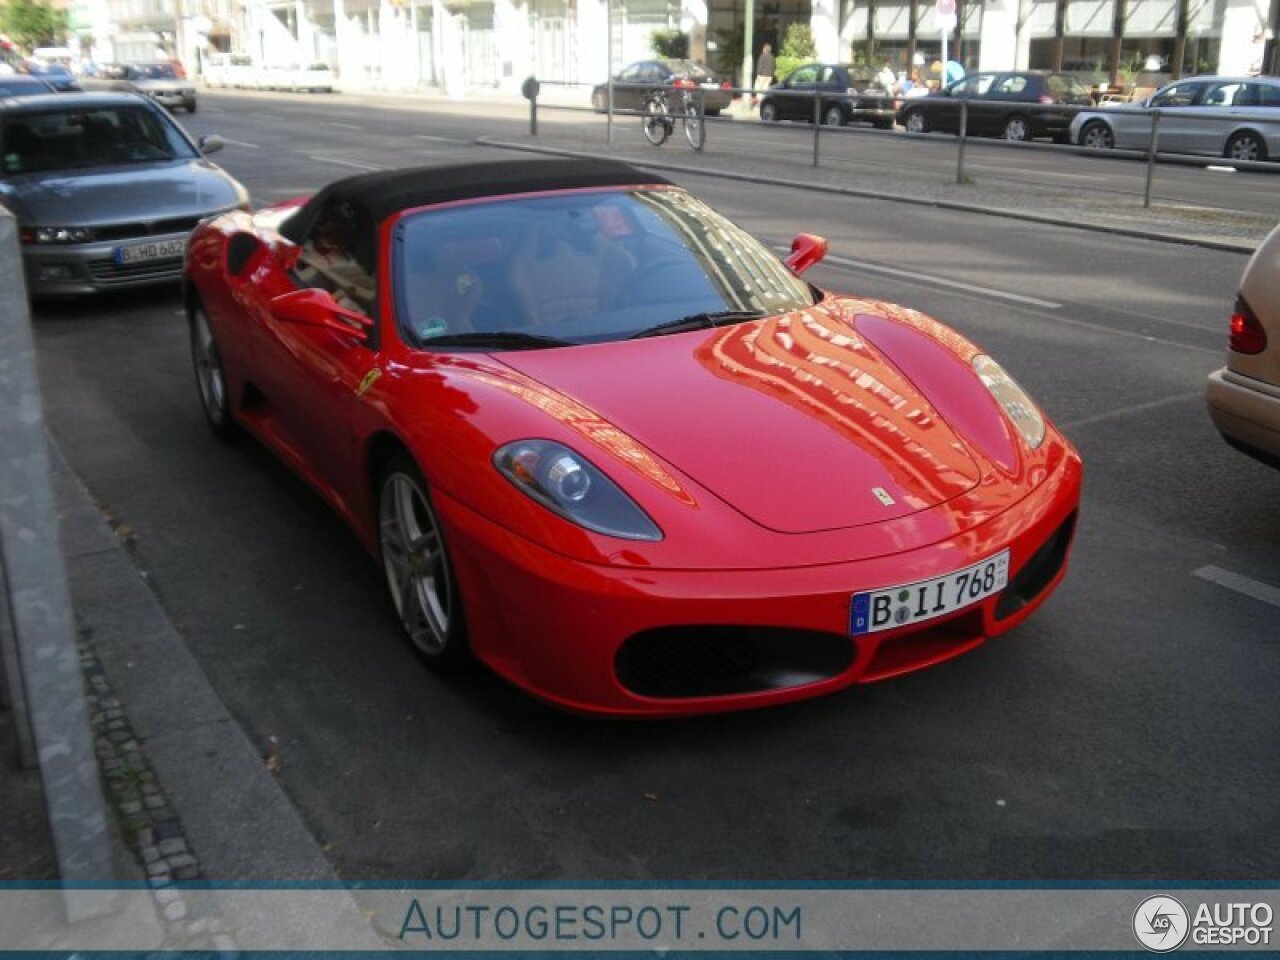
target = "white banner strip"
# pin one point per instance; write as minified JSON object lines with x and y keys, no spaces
{"x":531,"y":920}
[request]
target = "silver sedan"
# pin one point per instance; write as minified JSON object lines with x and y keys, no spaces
{"x":106,"y":188}
{"x":1233,"y":117}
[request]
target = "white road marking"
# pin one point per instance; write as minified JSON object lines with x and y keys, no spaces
{"x":1240,"y":584}
{"x":347,"y":163}
{"x":425,"y":136}
{"x":340,"y":126}
{"x":915,"y":276}
{"x":1133,"y":408}
{"x":1220,"y":169}
{"x":909,"y":277}
{"x":241,"y":143}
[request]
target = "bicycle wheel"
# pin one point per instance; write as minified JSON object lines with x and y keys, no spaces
{"x":695,"y":128}
{"x":656,"y":122}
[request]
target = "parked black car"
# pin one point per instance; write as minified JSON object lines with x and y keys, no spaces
{"x":846,"y":93}
{"x":633,"y":85}
{"x":54,"y":74}
{"x":1013,"y":105}
{"x":21,"y":85}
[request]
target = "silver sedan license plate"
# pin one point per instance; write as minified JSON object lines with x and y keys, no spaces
{"x":155,"y":250}
{"x":911,"y":603}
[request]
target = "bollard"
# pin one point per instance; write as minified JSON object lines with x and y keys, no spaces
{"x":964,"y":133}
{"x":530,"y":88}
{"x":1151,"y":157}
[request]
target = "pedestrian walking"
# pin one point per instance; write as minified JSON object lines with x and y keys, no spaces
{"x":764,"y":71}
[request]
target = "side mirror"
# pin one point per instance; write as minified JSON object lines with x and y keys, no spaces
{"x":210,"y":144}
{"x":314,"y":307}
{"x":806,"y":250}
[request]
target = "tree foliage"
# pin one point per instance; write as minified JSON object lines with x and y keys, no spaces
{"x":33,"y":23}
{"x":670,"y":44}
{"x":798,"y":43}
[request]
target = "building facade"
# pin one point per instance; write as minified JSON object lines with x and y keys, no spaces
{"x":460,"y":45}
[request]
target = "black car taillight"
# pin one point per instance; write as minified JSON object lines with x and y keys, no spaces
{"x":1247,"y":334}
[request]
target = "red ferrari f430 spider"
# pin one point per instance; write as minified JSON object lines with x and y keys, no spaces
{"x":610,"y":445}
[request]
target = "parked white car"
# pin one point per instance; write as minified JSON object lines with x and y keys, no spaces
{"x":315,"y":77}
{"x":1233,"y":117}
{"x":230,"y":70}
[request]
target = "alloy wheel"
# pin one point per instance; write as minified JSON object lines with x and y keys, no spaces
{"x":415,"y":562}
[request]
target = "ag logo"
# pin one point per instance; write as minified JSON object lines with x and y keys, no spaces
{"x":1161,"y":924}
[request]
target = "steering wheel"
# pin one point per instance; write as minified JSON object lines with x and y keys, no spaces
{"x":648,"y":279}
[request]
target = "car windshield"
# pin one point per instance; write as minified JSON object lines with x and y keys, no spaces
{"x":1064,"y":84}
{"x":861,"y":76}
{"x":153,"y":71}
{"x":581,"y":268}
{"x":68,"y":139}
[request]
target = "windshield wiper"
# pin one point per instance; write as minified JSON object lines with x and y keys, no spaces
{"x":496,"y":340}
{"x":697,"y":321}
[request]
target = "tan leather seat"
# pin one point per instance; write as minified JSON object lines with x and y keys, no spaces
{"x":558,"y":276}
{"x":442,"y":293}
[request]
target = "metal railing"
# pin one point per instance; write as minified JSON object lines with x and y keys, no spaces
{"x":822,"y":99}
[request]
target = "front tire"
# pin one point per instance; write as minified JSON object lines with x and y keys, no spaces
{"x":1096,"y":135}
{"x":915,"y":121}
{"x":1017,"y":128}
{"x":834,"y":117}
{"x":694,"y":131}
{"x":415,"y":560}
{"x":211,"y":377}
{"x":1246,"y":145}
{"x":656,"y":122}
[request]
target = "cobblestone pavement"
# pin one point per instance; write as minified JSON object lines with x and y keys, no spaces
{"x":150,"y":827}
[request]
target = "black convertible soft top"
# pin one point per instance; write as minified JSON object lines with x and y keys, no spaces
{"x":377,"y":196}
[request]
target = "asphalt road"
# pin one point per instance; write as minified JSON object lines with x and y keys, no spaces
{"x":1128,"y":730}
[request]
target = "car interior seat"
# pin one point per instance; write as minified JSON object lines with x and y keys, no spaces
{"x":442,"y":292}
{"x":563,"y":268}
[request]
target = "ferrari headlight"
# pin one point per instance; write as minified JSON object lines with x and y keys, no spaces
{"x":1017,"y":405}
{"x":61,"y":234}
{"x":567,"y":484}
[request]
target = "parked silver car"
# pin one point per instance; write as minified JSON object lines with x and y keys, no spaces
{"x":106,"y":187}
{"x":160,"y":82}
{"x":1244,"y":396}
{"x":1233,"y":117}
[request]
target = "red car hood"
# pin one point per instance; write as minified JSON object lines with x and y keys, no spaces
{"x":796,"y":421}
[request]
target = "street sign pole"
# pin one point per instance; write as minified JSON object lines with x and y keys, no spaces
{"x":946,"y":11}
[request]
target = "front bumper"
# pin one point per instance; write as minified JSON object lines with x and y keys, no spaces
{"x":585,"y":637}
{"x":173,"y":98}
{"x":73,"y":269}
{"x":1246,"y":411}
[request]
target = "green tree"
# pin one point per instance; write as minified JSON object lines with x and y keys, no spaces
{"x":670,"y":44}
{"x":797,"y":48}
{"x":798,"y":42}
{"x":33,"y":23}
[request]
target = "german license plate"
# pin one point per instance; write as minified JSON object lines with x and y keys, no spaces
{"x":157,"y":250}
{"x":911,"y":603}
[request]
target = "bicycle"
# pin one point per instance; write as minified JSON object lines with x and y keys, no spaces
{"x":659,"y":120}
